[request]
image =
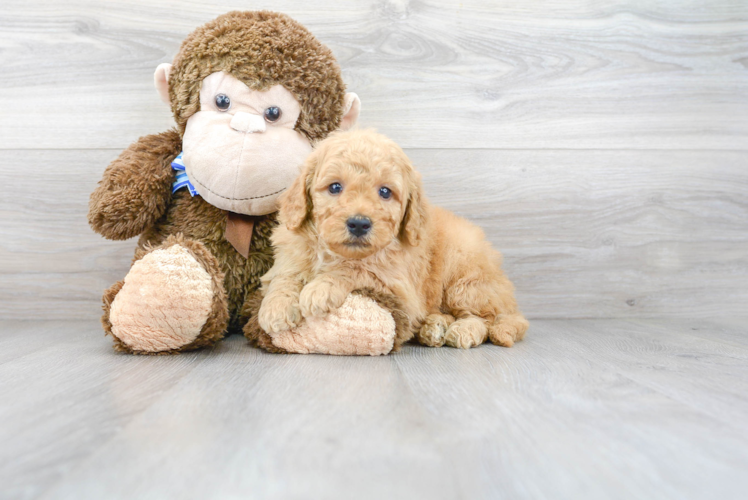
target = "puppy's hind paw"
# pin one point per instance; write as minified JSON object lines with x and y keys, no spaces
{"x":466,"y":333}
{"x":508,"y":330}
{"x":434,"y":329}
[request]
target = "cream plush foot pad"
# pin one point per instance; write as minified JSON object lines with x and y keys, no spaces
{"x":359,"y":327}
{"x":164,"y":303}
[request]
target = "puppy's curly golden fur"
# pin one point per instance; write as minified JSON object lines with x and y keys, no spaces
{"x":446,"y":274}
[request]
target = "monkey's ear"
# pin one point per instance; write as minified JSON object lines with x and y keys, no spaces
{"x":161,"y":80}
{"x":414,"y":220}
{"x":351,"y":109}
{"x":296,"y":203}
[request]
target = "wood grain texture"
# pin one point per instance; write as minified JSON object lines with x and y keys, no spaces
{"x":65,"y":393}
{"x":580,"y":409}
{"x":697,"y":369}
{"x":472,"y":74}
{"x":731,"y":330}
{"x":584,"y":233}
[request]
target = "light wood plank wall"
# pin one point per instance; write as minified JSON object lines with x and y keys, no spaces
{"x":602,"y":145}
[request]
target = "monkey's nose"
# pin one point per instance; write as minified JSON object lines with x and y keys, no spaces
{"x":247,"y":122}
{"x":358,"y":225}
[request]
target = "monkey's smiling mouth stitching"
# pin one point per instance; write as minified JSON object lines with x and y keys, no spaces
{"x":203,"y":186}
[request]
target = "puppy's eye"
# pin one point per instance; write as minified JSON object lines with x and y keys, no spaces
{"x":335,"y":188}
{"x":272,"y":114}
{"x":385,"y":193}
{"x":223,"y":102}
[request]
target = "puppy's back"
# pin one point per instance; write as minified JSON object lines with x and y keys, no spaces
{"x":463,"y":240}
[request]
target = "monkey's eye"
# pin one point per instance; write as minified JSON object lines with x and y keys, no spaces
{"x":223,"y":102}
{"x":335,"y":188}
{"x":272,"y":113}
{"x":385,"y":193}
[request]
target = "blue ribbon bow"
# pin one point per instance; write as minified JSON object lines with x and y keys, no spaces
{"x":182,"y":180}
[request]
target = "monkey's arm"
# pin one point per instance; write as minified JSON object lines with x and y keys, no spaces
{"x":136,"y":187}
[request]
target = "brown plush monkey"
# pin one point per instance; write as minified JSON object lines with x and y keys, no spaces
{"x":251,"y":93}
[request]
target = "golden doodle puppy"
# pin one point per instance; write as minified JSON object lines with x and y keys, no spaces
{"x":357,"y":218}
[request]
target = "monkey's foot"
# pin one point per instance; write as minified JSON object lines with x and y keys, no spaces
{"x":368,"y":323}
{"x":358,"y":327}
{"x":171,"y":300}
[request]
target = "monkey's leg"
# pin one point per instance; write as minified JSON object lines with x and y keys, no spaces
{"x":368,"y":323}
{"x":172,"y":300}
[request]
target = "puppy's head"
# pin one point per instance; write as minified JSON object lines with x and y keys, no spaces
{"x":360,"y":192}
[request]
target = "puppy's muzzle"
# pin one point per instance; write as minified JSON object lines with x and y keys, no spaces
{"x":358,"y":225}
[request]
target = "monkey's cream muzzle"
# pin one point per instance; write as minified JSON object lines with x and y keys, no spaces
{"x":235,"y":158}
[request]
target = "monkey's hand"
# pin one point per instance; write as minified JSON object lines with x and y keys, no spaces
{"x":135,"y":189}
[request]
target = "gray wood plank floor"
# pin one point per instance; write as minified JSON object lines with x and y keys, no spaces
{"x":580,"y":409}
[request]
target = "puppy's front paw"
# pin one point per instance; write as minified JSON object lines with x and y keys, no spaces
{"x":279,"y":313}
{"x":320,"y":297}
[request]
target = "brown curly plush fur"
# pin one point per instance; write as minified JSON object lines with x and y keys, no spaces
{"x":261,"y":49}
{"x":134,"y":196}
{"x":135,"y":189}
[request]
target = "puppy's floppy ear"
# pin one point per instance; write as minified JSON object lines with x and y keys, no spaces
{"x":414,"y":220}
{"x":296,"y":203}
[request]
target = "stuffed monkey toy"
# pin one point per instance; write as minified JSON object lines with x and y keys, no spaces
{"x":251,"y":93}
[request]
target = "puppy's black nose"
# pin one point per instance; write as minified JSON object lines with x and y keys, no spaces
{"x":358,"y":225}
